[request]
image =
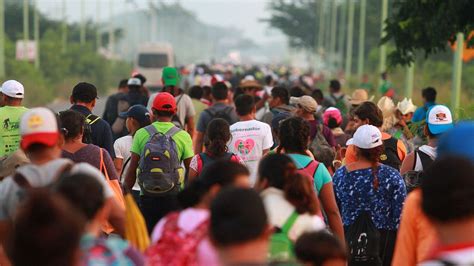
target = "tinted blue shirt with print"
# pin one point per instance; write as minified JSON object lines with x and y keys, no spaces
{"x":355,"y":193}
{"x":420,"y":113}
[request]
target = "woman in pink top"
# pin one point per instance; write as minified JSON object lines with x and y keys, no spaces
{"x":181,"y":238}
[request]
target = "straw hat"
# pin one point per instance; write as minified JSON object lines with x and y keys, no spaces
{"x":360,"y":96}
{"x":249,"y":82}
{"x":406,"y":106}
{"x":387,"y":106}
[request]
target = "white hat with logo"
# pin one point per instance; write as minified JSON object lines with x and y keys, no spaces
{"x":439,"y":119}
{"x":366,"y":137}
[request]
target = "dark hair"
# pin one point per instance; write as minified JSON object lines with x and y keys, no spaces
{"x":123,"y":83}
{"x":244,"y":104}
{"x":318,"y":247}
{"x":282,"y":94}
{"x":429,"y":94}
{"x":335,"y":85}
{"x":373,"y":156}
{"x":196,"y":92}
{"x":83,"y":191}
{"x":216,"y":137}
{"x":296,"y":91}
{"x":332,"y":123}
{"x":221,"y":173}
{"x":219,"y":91}
{"x":73,"y":122}
{"x":157,"y":113}
{"x":46,"y":231}
{"x":141,"y":78}
{"x":237,"y":216}
{"x":369,"y":110}
{"x":268,"y":79}
{"x":280,"y":172}
{"x":206,"y":91}
{"x":300,"y":193}
{"x":318,"y":96}
{"x":293,"y":135}
{"x":456,"y":205}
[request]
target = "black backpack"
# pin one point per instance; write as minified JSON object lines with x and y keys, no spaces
{"x":363,"y":240}
{"x":413,"y":178}
{"x":390,"y":155}
{"x":90,"y":120}
{"x":224,"y":113}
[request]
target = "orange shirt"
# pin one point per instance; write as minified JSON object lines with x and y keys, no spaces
{"x":351,"y":155}
{"x":416,"y":235}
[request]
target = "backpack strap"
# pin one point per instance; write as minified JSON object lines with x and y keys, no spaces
{"x":289,"y":222}
{"x":151,"y":129}
{"x":21,"y":181}
{"x":311,"y":164}
{"x":172,"y":131}
{"x":91,"y":119}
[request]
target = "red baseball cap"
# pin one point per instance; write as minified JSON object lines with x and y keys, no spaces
{"x":39,"y":125}
{"x":164,"y":102}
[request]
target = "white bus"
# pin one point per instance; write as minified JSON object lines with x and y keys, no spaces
{"x":150,"y":61}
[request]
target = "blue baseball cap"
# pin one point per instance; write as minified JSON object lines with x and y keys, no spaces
{"x":439,"y":119}
{"x":458,"y":141}
{"x":138,"y":112}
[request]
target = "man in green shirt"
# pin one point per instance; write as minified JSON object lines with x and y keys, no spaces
{"x":164,"y":108}
{"x":10,"y":114}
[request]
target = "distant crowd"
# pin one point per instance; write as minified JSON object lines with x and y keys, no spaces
{"x":235,"y":166}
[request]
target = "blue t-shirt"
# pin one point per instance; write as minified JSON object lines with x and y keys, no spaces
{"x":420,"y":113}
{"x":321,"y":176}
{"x":355,"y":193}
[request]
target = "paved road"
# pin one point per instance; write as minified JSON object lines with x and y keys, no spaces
{"x":61,"y":105}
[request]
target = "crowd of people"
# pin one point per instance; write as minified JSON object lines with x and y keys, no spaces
{"x":229,"y":167}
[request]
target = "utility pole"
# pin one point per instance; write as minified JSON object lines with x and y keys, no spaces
{"x":36,"y":34}
{"x":361,"y":53}
{"x":64,"y":26}
{"x":409,"y":80}
{"x":457,"y":74}
{"x":98,"y":37}
{"x":83,"y":24}
{"x":341,"y":35}
{"x":350,"y":29}
{"x":26,"y":28}
{"x":111,"y":28}
{"x":2,"y":39}
{"x":383,"y":47}
{"x":332,"y":38}
{"x":321,"y":26}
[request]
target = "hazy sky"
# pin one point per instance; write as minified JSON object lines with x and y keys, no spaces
{"x":242,"y":14}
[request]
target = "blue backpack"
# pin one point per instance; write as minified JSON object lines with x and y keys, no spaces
{"x":160,"y":171}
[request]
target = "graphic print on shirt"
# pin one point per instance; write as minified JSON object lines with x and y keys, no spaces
{"x":244,"y":146}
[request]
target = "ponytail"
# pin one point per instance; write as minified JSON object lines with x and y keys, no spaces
{"x":373,"y":155}
{"x":300,"y":193}
{"x":217,"y":136}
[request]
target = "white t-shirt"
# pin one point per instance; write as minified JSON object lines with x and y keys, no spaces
{"x":249,"y":139}
{"x":40,"y":176}
{"x":122,"y":147}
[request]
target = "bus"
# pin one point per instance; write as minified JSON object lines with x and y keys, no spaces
{"x":150,"y":61}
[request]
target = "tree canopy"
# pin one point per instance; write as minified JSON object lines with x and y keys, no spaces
{"x":427,"y":26}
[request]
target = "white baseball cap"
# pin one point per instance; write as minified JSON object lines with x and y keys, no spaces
{"x":439,"y":119}
{"x":13,"y":88}
{"x":38,"y":125}
{"x":134,"y":82}
{"x":366,"y":137}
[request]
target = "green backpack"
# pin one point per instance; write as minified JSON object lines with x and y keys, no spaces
{"x":281,"y":247}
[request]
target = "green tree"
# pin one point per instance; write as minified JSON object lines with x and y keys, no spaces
{"x":427,"y":26}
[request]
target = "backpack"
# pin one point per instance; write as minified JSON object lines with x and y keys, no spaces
{"x":281,"y":247}
{"x":309,"y":170}
{"x":175,"y":119}
{"x":207,"y":160}
{"x":413,"y":178}
{"x":90,"y":120}
{"x":160,"y":171}
{"x":322,"y":151}
{"x":175,"y":246}
{"x":390,"y":155}
{"x":224,"y":114}
{"x":118,"y":125}
{"x":363,"y":240}
{"x":339,"y":103}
